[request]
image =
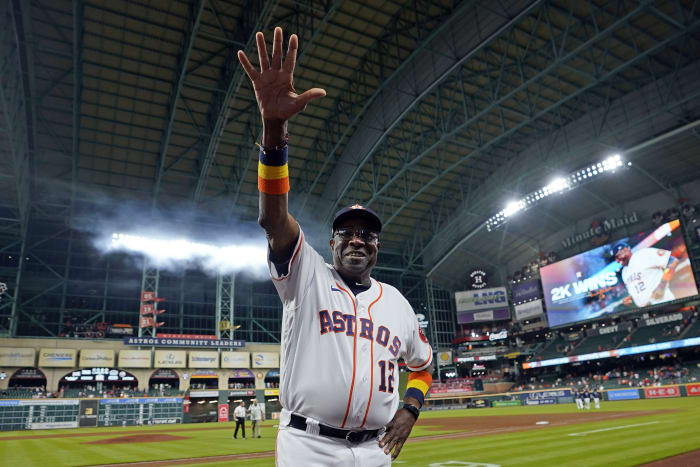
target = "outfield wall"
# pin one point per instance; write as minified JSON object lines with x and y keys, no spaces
{"x":559,"y":396}
{"x":36,"y":414}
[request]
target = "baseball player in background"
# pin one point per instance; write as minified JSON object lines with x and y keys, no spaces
{"x":646,"y":273}
{"x":586,"y":398}
{"x":579,"y":398}
{"x":596,"y":398}
{"x":342,"y":331}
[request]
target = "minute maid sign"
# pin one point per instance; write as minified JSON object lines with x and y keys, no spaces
{"x":483,"y":299}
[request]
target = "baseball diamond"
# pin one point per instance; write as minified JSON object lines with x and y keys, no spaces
{"x":350,"y":233}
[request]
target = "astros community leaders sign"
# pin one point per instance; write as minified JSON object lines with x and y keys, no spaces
{"x":173,"y":342}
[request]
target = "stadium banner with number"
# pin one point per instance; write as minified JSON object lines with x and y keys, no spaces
{"x":659,"y":392}
{"x":692,"y":389}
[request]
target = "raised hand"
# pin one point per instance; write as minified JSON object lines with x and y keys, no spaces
{"x":274,"y":83}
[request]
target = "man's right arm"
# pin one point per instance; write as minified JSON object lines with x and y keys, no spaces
{"x":278,"y":102}
{"x":281,"y":229}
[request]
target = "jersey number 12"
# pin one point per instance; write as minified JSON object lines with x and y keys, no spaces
{"x":383,"y":380}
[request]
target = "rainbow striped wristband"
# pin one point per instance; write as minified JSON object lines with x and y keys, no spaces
{"x":273,"y":171}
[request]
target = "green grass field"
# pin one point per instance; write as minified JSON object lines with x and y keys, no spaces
{"x":619,"y":442}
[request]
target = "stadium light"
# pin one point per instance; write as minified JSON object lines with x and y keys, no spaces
{"x":556,"y":186}
{"x":226,"y":258}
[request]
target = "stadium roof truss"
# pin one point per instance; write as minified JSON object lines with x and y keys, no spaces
{"x":436,"y":114}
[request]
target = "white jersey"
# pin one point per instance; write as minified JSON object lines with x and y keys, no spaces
{"x":339,"y":352}
{"x":643,"y":274}
{"x":239,"y":412}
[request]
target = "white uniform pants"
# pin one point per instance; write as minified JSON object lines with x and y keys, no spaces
{"x":587,"y":401}
{"x":579,"y":403}
{"x":596,"y":400}
{"x":299,"y":448}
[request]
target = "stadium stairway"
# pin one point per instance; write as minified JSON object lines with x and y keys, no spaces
{"x":692,"y":330}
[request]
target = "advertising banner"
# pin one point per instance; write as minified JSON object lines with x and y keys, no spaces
{"x":266,"y":360}
{"x":235,"y":359}
{"x":506,"y":403}
{"x":483,"y":299}
{"x":623,"y":394}
{"x":12,"y":356}
{"x":57,"y":358}
{"x":241,"y":374}
{"x":621,"y":276}
{"x":528,"y":310}
{"x":546,"y":394}
{"x":445,"y":357}
{"x":169,"y":342}
{"x":464,"y":317}
{"x":547,"y":401}
{"x":96,"y":357}
{"x":134,"y":359}
{"x":526,"y":290}
{"x":170,"y":359}
{"x":624,"y":326}
{"x":203,"y":359}
{"x":223,"y":412}
{"x":272,"y":392}
{"x":88,"y":413}
{"x":657,"y":393}
{"x":692,"y":389}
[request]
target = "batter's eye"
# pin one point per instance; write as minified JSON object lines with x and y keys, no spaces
{"x":367,"y":236}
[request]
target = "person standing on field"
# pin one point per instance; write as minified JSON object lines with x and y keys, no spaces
{"x":255,"y":418}
{"x":239,"y":415}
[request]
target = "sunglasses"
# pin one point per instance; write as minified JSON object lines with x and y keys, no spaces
{"x":367,"y":236}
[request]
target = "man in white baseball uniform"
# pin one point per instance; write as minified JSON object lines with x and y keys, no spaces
{"x":646,"y":273}
{"x":342,"y":331}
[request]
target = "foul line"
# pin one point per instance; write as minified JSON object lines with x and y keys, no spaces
{"x":584,"y":433}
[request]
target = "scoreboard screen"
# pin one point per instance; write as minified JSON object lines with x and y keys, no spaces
{"x":645,"y":269}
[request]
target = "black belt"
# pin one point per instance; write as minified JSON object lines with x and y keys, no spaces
{"x":299,"y":422}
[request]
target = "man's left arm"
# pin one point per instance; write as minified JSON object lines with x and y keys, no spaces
{"x":399,"y":428}
{"x":669,"y":270}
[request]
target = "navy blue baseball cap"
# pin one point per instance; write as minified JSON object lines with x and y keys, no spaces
{"x":357,"y":210}
{"x":619,"y":247}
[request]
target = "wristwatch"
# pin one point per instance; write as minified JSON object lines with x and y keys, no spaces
{"x":413,"y":409}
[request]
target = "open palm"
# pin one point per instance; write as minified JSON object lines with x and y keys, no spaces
{"x":274,"y":83}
